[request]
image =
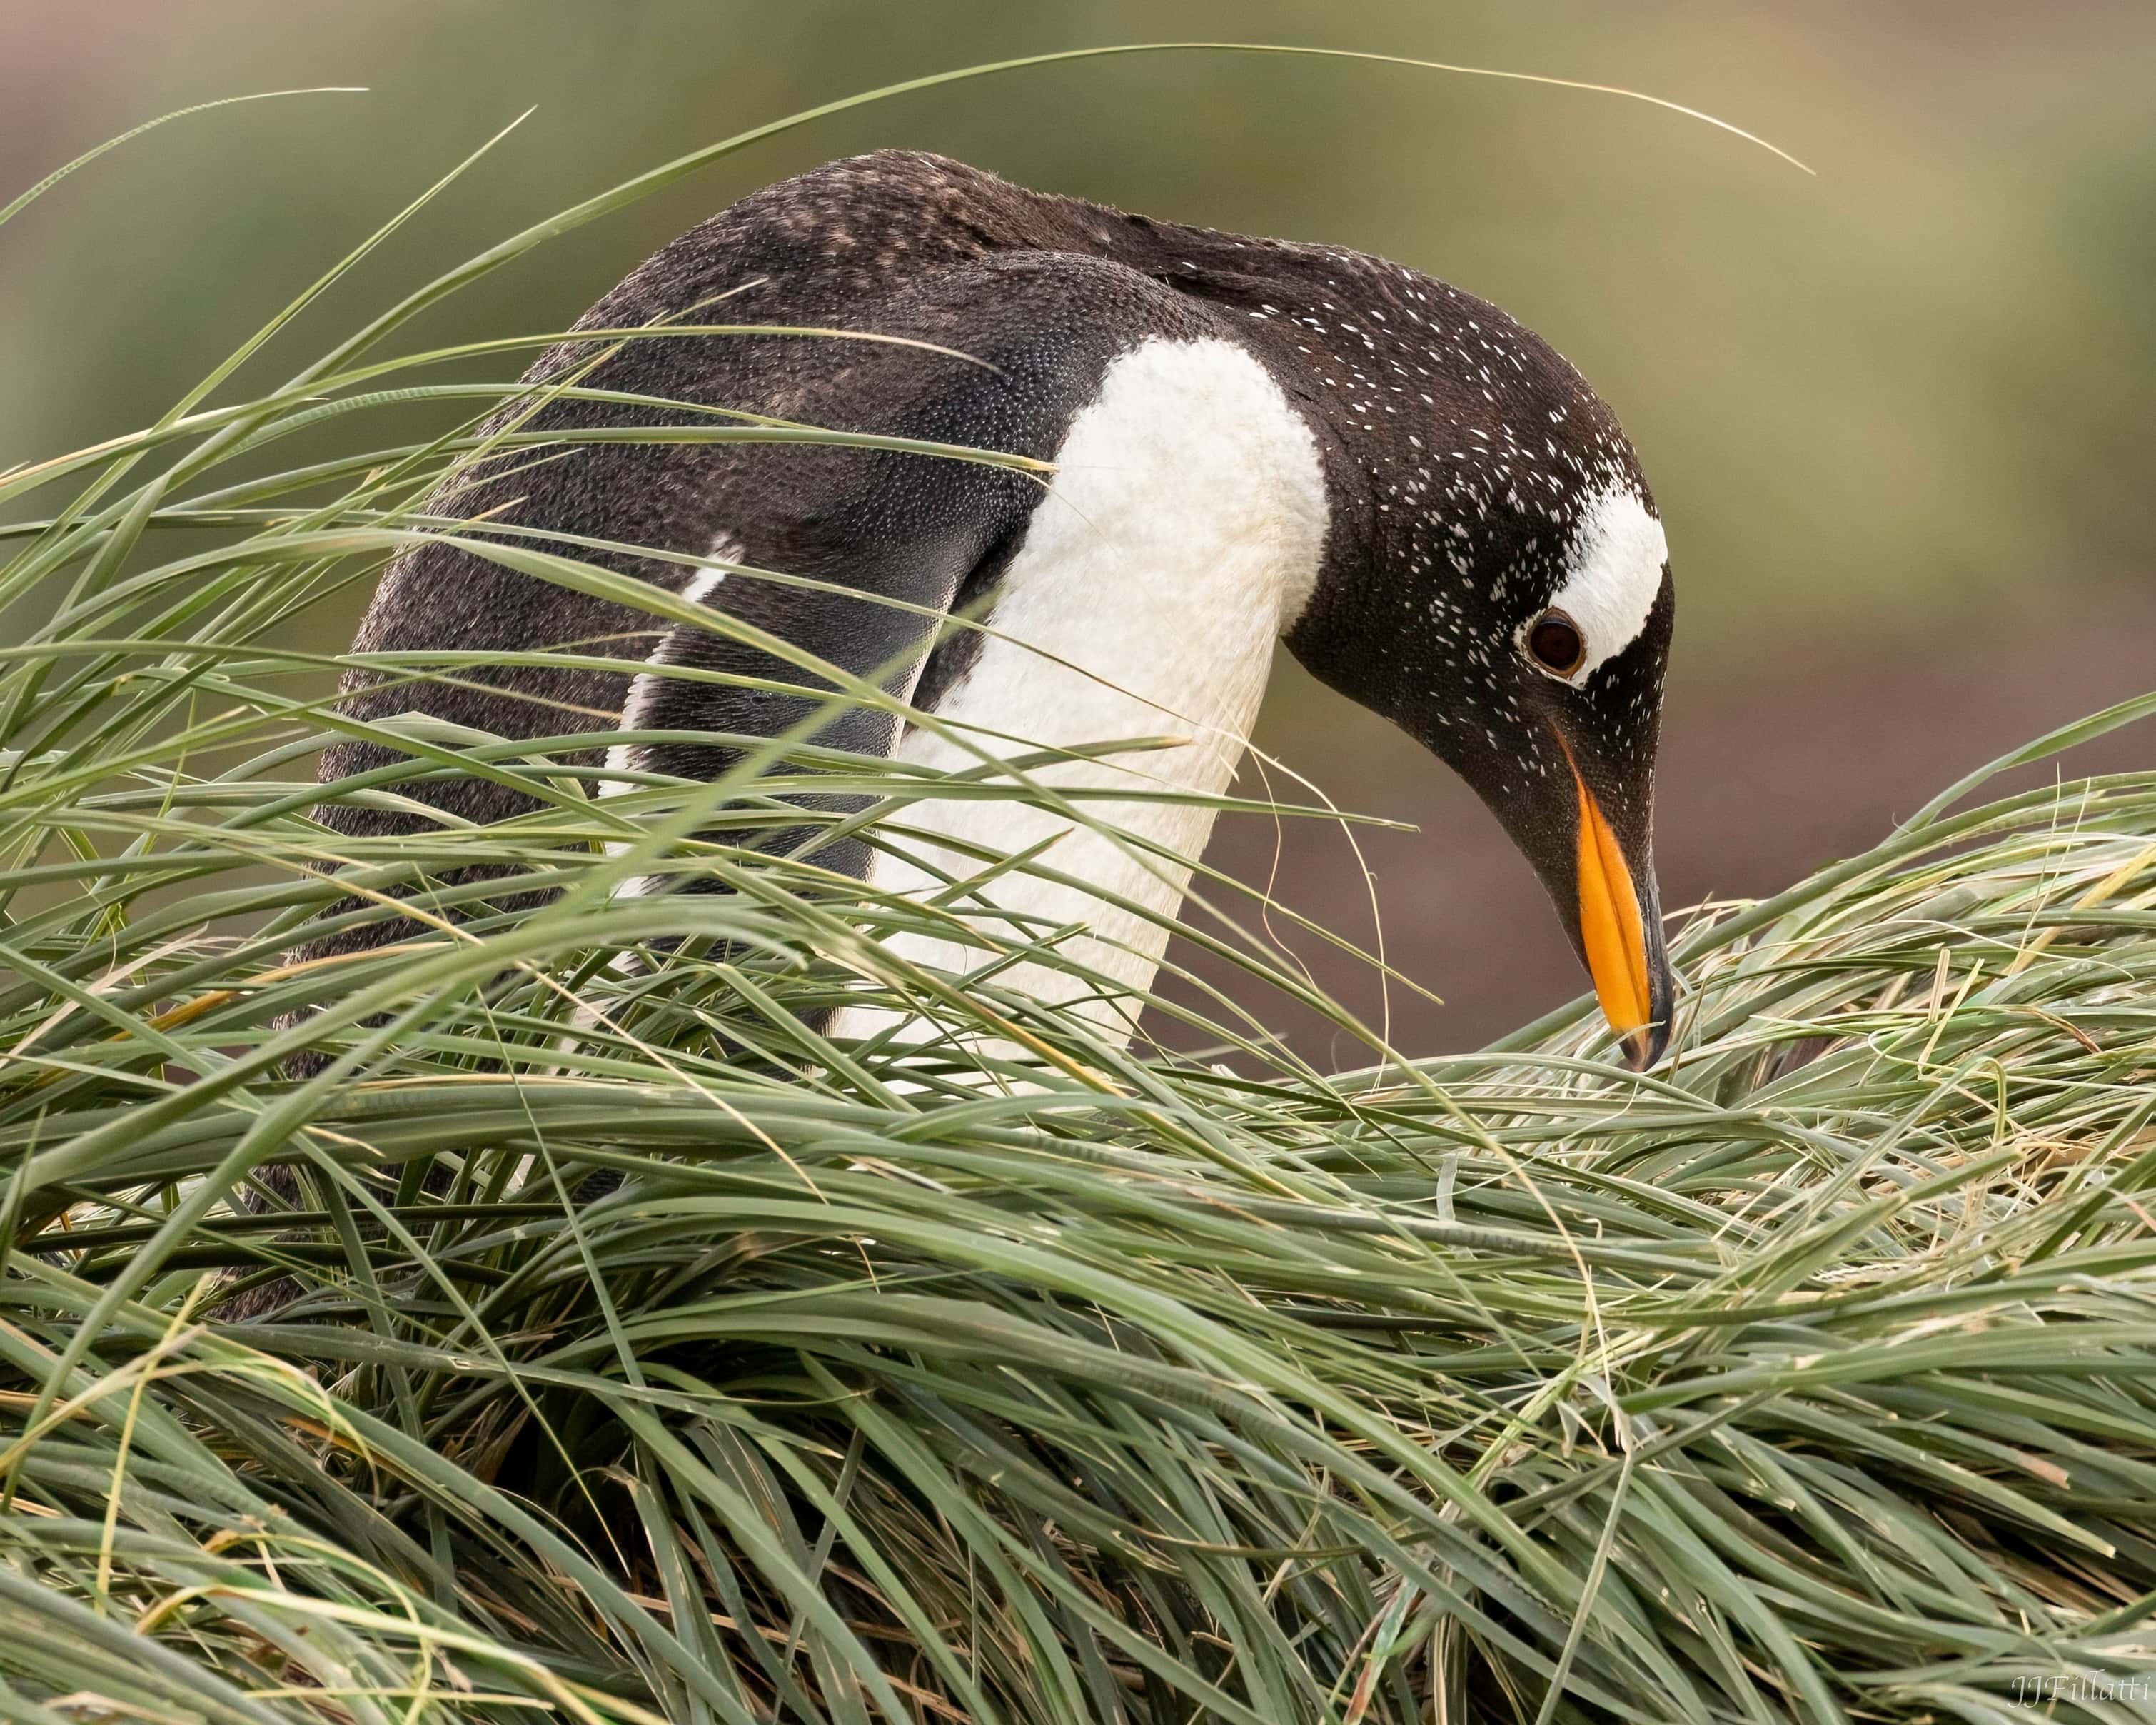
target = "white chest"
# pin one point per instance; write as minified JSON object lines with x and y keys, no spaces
{"x":1182,"y":535}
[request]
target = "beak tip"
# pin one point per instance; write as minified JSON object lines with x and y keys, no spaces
{"x":1646,"y":1046}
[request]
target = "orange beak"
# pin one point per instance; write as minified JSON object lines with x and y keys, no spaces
{"x":1625,"y":971}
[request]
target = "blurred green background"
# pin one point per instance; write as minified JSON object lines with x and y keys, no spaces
{"x":1899,"y":417}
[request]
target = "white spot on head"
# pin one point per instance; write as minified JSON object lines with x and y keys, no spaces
{"x":1612,"y":577}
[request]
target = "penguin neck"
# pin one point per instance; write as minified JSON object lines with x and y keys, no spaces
{"x":1182,"y":537}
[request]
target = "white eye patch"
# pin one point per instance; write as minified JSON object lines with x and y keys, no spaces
{"x":1612,"y":578}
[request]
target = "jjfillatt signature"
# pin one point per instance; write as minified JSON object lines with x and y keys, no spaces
{"x":2077,"y":1685}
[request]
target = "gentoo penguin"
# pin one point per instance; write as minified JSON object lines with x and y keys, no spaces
{"x":1254,"y":443}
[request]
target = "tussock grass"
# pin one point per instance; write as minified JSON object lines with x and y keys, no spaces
{"x":1811,"y":1377}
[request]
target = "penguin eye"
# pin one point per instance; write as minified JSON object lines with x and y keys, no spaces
{"x":1554,"y":643}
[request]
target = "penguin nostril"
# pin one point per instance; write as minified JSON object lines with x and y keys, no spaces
{"x":1555,"y":643}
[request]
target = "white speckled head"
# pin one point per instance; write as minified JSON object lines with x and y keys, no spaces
{"x":1612,"y":577}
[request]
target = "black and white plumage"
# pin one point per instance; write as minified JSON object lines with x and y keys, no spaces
{"x":1255,"y":442}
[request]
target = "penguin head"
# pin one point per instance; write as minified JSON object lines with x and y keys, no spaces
{"x":1497,"y":585}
